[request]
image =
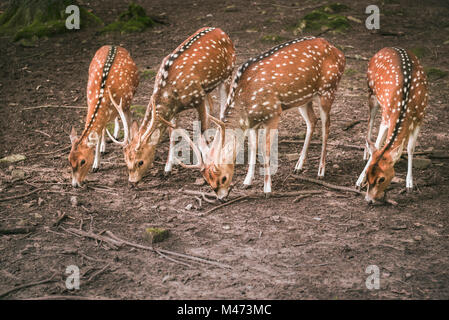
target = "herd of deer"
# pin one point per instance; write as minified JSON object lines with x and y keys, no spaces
{"x":291,"y":75}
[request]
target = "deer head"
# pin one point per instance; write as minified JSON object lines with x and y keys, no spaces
{"x":81,"y":156}
{"x":380,"y":171}
{"x":215,"y":162}
{"x":139,"y":148}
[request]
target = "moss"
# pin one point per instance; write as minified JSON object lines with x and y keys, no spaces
{"x":272,"y":38}
{"x":335,"y":7}
{"x":133,"y":20}
{"x":139,"y":111}
{"x":156,"y":234}
{"x":147,"y":74}
{"x":419,"y":51}
{"x":350,"y":72}
{"x":40,"y":18}
{"x":110,"y":127}
{"x":323,"y":19}
{"x":435,"y":73}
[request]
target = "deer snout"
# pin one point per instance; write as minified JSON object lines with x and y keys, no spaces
{"x":75,"y":183}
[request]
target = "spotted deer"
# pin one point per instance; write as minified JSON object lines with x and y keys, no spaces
{"x":112,"y":73}
{"x":290,"y":75}
{"x":185,"y":79}
{"x":397,"y":83}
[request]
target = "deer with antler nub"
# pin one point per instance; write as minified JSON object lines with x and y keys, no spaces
{"x":397,"y":83}
{"x":291,"y":75}
{"x":112,"y":74}
{"x":184,"y":81}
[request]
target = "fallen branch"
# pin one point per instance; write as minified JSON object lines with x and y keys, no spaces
{"x":351,"y":125}
{"x":114,"y":243}
{"x":27,"y":285}
{"x":223,"y":205}
{"x":50,"y":106}
{"x":112,"y":239}
{"x":21,"y":195}
{"x":218,"y":264}
{"x":55,"y":297}
{"x":328,"y":185}
{"x":18,"y":230}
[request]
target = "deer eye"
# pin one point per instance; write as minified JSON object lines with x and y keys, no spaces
{"x":223,"y":180}
{"x":140,"y":163}
{"x":381,"y":180}
{"x":83,"y":162}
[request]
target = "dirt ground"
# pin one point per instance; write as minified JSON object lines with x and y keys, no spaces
{"x":316,"y":248}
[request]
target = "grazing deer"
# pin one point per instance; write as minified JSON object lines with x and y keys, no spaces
{"x":112,"y":69}
{"x":397,"y":84}
{"x":186,"y":76}
{"x":290,"y":75}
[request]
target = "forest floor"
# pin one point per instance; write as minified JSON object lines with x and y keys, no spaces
{"x":277,"y":248}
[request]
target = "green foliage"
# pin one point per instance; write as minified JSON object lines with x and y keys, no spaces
{"x":419,"y":51}
{"x":134,"y":19}
{"x":147,"y":74}
{"x":273,"y":38}
{"x":26,"y":19}
{"x":435,"y":73}
{"x":324,"y":18}
{"x":350,"y":72}
{"x":139,"y":111}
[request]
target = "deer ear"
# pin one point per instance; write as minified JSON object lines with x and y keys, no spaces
{"x":396,"y":153}
{"x":73,"y":135}
{"x":154,"y":138}
{"x":371,"y":146}
{"x":134,"y":129}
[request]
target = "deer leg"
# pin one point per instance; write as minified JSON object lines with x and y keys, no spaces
{"x":103,"y":142}
{"x":410,"y":149}
{"x":310,"y":119}
{"x":96,"y":163}
{"x":171,"y":154}
{"x":266,"y":163}
{"x":116,"y":127}
{"x":325,"y":106}
{"x":382,"y":135}
{"x":223,"y":97}
{"x":252,"y":150}
{"x":373,"y":107}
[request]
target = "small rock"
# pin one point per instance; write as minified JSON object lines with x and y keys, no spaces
{"x":189,"y":206}
{"x":13,"y":158}
{"x":74,"y":201}
{"x":336,"y":166}
{"x":292,"y":156}
{"x":199,"y":182}
{"x":276,"y":218}
{"x":317,"y":218}
{"x":37,"y":215}
{"x":417,"y":224}
{"x":397,"y":180}
{"x":418,"y":238}
{"x":18,"y":174}
{"x":408,"y":275}
{"x":421,"y":163}
{"x":385,"y":274}
{"x":227,"y":227}
{"x":156,"y":234}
